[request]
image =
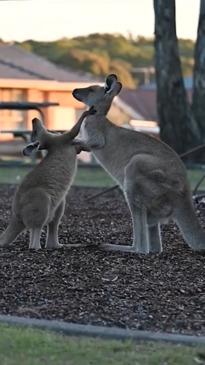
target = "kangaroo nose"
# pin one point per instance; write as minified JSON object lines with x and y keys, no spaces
{"x":75,"y":92}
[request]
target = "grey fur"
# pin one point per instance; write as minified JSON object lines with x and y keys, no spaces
{"x":40,"y":198}
{"x":151,"y":175}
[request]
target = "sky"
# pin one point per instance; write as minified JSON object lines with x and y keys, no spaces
{"x":47,"y":20}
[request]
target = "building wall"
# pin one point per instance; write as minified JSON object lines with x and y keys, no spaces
{"x":12,"y":119}
{"x":33,"y":95}
{"x":60,"y":117}
{"x":65,"y":115}
{"x":118,"y":116}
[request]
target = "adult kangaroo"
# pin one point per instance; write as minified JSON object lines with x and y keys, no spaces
{"x":151,"y":175}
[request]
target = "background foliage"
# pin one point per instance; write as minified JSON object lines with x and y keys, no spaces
{"x":100,"y":54}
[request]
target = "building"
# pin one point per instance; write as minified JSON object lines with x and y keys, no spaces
{"x":138,"y":109}
{"x":24,"y":76}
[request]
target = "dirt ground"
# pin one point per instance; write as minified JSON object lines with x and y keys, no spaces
{"x":163,"y":292}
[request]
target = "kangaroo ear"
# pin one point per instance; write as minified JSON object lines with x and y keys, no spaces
{"x":28,"y":150}
{"x":114,"y":89}
{"x":118,"y":88}
{"x":110,"y":82}
{"x":37,"y":129}
{"x":112,"y":85}
{"x":37,"y":124}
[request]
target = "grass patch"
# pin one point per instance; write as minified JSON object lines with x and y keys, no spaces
{"x":85,"y":176}
{"x":194,"y":176}
{"x":19,"y":346}
{"x":95,"y":177}
{"x":12,"y":175}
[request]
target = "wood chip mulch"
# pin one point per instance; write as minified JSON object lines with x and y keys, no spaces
{"x":163,"y":292}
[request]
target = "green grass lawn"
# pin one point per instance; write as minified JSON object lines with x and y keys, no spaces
{"x":194,"y":176}
{"x":85,"y":176}
{"x":93,"y":177}
{"x":20,"y":346}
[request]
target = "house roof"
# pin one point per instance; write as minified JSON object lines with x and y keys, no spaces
{"x":17,"y":63}
{"x":142,"y":102}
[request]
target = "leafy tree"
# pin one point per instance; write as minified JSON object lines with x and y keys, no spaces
{"x":123,"y":71}
{"x":86,"y":61}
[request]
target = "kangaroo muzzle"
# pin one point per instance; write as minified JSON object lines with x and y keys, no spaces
{"x":76,"y":94}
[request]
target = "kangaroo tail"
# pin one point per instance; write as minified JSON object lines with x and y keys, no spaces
{"x":14,"y":228}
{"x":189,"y":225}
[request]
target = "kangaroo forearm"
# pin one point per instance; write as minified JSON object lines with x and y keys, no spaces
{"x":76,"y":128}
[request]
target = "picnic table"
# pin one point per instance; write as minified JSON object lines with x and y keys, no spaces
{"x":24,"y":134}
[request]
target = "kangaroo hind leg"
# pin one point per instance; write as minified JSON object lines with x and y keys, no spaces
{"x":52,"y":234}
{"x":35,"y":215}
{"x":140,"y":226}
{"x":35,"y":235}
{"x":137,"y":207}
{"x":14,"y":228}
{"x":155,"y":242}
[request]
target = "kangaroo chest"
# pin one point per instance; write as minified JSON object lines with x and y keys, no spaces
{"x":113,"y":158}
{"x":83,"y":131}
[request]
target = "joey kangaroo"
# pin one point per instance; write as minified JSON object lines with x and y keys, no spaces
{"x":150,"y":173}
{"x":40,"y":198}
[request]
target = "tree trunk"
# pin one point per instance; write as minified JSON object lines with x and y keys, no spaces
{"x":198,"y":105}
{"x":177,"y":125}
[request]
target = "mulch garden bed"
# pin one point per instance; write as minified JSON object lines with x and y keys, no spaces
{"x":163,"y":292}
